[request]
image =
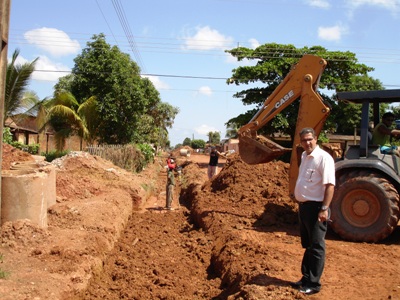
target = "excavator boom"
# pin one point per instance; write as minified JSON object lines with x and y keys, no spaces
{"x":301,"y":82}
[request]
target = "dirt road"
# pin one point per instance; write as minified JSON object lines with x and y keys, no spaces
{"x":234,"y":237}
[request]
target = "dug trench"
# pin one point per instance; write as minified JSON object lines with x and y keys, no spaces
{"x":233,"y":237}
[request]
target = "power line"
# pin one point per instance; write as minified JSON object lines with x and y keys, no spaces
{"x":125,"y":25}
{"x":105,"y":19}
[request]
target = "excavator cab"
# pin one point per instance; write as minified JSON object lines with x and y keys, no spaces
{"x":366,"y":203}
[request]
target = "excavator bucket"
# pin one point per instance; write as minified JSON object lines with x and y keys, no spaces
{"x":259,"y":150}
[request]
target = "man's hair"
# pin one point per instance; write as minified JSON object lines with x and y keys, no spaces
{"x":307,"y":130}
{"x":387,"y":115}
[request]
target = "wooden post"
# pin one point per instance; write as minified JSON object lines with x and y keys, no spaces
{"x":4,"y":28}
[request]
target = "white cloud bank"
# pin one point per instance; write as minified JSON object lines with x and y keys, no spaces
{"x":387,"y":4}
{"x":206,"y":38}
{"x":205,"y":129}
{"x":319,"y":3}
{"x":53,"y":41}
{"x":334,"y":33}
{"x":205,"y":90}
{"x":157,"y":82}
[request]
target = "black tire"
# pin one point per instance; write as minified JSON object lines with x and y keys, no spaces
{"x":365,"y":207}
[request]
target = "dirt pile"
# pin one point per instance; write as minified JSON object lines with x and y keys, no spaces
{"x":11,"y":154}
{"x":234,"y":237}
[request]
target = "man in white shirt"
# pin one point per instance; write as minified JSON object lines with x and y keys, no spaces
{"x":314,"y":192}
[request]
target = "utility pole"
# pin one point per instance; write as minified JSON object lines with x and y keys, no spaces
{"x":4,"y":29}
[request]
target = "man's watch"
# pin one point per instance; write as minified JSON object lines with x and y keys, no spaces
{"x":324,"y":207}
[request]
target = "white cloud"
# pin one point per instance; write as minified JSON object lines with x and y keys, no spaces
{"x":205,"y":90}
{"x":206,"y":38}
{"x":333,"y":33}
{"x":53,"y":41}
{"x":158,"y":83}
{"x":205,"y":129}
{"x":319,"y":3}
{"x":48,"y":70}
{"x":388,"y":4}
{"x":254,"y":43}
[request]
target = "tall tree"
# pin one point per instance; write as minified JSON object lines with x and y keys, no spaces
{"x":156,"y":119}
{"x":123,"y":97}
{"x":17,"y":80}
{"x":274,"y":61}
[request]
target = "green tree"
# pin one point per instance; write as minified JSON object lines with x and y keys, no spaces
{"x":347,"y":116}
{"x":214,"y":137}
{"x":126,"y":103}
{"x":273,"y":63}
{"x":198,"y":144}
{"x":187,"y":142}
{"x":231,"y":130}
{"x":17,"y":80}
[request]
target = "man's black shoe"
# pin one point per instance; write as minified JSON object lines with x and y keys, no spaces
{"x":297,"y":284}
{"x":308,"y":290}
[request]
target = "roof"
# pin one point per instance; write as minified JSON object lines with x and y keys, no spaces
{"x":387,"y":96}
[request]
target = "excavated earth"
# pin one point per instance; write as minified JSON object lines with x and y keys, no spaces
{"x":233,"y":237}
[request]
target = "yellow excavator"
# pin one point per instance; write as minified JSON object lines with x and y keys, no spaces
{"x":366,"y":203}
{"x":301,"y":82}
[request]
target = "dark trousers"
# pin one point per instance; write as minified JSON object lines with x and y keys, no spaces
{"x":312,"y":233}
{"x":170,"y":195}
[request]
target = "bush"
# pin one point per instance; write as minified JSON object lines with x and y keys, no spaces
{"x":52,"y":155}
{"x":7,"y":135}
{"x":32,"y":148}
{"x":147,"y":151}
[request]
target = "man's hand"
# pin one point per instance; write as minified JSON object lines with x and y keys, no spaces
{"x":323,"y":215}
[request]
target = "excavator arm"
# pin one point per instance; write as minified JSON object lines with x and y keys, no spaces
{"x":301,"y":82}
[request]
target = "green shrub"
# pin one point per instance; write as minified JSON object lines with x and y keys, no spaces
{"x":32,"y":148}
{"x":7,"y":135}
{"x":147,"y":152}
{"x":52,"y":155}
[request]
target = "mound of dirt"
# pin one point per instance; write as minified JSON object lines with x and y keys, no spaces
{"x":259,"y":192}
{"x":232,"y":237}
{"x":11,"y":154}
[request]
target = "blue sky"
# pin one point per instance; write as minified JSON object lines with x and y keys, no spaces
{"x":180,"y":44}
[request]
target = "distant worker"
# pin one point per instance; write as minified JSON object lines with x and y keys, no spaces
{"x":314,"y":191}
{"x":370,"y":132}
{"x":382,"y":134}
{"x":170,"y":183}
{"x":213,"y":164}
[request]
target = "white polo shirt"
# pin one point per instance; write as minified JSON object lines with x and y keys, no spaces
{"x":316,"y":170}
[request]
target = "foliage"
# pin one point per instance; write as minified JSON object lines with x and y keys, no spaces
{"x":214,"y":137}
{"x":153,"y":125}
{"x":231,"y":130}
{"x":128,"y":106}
{"x":187,"y":142}
{"x":7,"y":135}
{"x":61,"y":114}
{"x":3,"y":274}
{"x":17,"y":80}
{"x":52,"y":155}
{"x":147,"y":151}
{"x":31,"y":148}
{"x":128,"y":157}
{"x":198,"y":144}
{"x":274,"y":61}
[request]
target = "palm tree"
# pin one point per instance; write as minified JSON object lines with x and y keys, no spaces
{"x":90,"y":117}
{"x":61,"y":113}
{"x":17,"y":79}
{"x":231,"y":131}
